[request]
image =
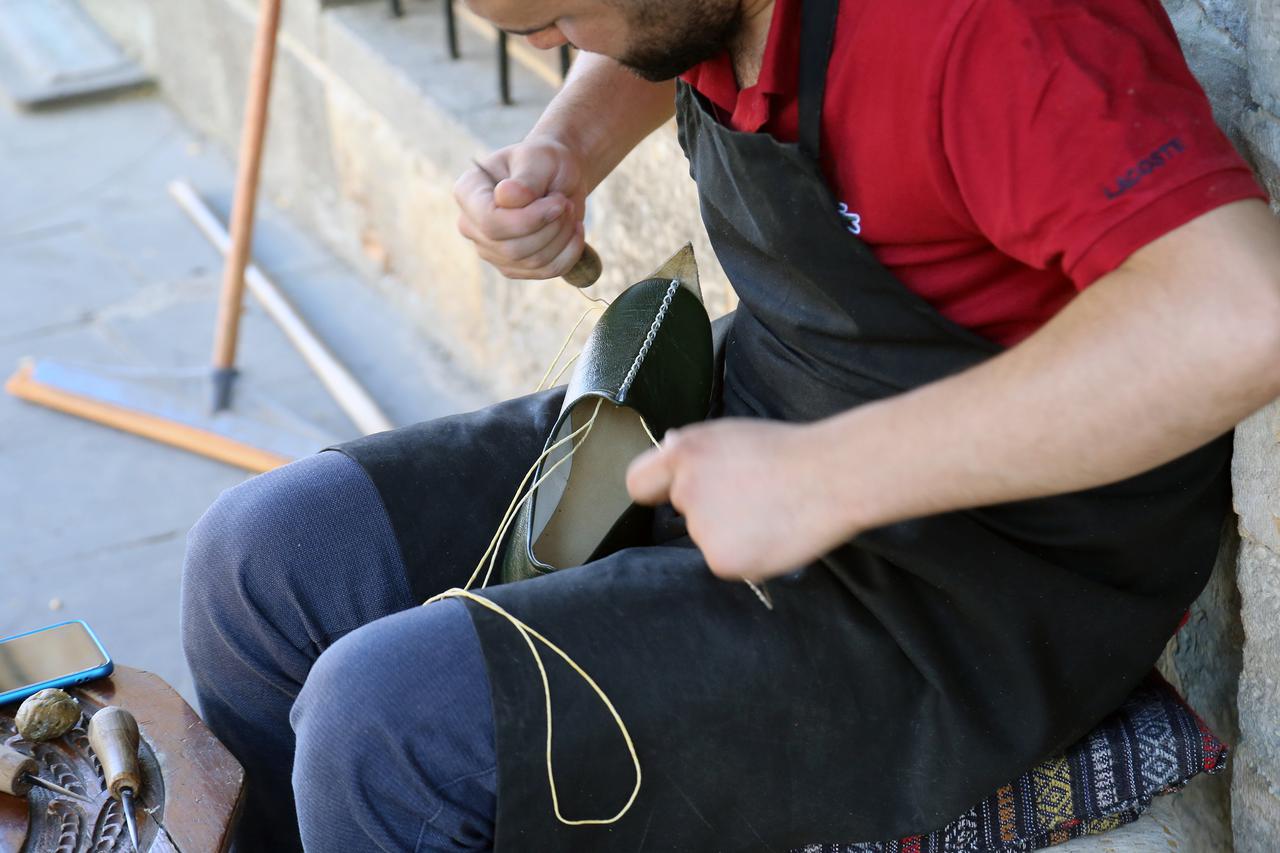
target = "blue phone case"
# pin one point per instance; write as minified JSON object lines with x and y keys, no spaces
{"x":69,"y":680}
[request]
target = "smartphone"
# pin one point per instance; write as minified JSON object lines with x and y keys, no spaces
{"x":59,"y":655}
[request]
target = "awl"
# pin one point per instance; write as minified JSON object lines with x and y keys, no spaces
{"x":113,"y":734}
{"x":18,"y":774}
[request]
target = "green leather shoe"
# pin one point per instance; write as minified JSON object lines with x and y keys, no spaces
{"x":648,"y":357}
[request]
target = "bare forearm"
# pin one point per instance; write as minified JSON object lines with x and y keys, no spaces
{"x":1149,"y":363}
{"x":603,"y":112}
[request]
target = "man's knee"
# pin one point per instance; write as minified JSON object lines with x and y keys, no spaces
{"x":390,"y":716}
{"x":408,"y":675}
{"x":237,"y":530}
{"x":220,"y":543}
{"x":246,"y":555}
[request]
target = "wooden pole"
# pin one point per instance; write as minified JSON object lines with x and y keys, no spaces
{"x":242,"y":208}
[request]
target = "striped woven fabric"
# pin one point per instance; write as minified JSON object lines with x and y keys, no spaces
{"x":1154,"y":744}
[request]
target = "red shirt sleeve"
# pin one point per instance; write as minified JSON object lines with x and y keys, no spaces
{"x":1076,"y":134}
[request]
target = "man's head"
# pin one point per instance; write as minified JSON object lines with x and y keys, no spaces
{"x":657,"y":39}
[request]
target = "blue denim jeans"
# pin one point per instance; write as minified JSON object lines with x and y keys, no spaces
{"x":365,"y":716}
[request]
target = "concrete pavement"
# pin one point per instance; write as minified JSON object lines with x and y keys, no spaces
{"x":99,"y":267}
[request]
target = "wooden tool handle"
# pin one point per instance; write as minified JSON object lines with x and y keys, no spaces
{"x":586,"y":271}
{"x":14,"y":767}
{"x":231,"y":299}
{"x":113,"y":734}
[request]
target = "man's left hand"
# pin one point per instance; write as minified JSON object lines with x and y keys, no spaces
{"x":754,"y":494}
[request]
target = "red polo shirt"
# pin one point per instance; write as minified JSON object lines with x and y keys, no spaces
{"x":999,"y":155}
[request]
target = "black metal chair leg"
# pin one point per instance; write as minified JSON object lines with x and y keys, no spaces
{"x":397,"y":8}
{"x":504,"y":70}
{"x":451,"y":30}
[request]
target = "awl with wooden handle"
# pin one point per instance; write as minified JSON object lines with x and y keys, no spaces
{"x":586,"y":271}
{"x":114,"y":736}
{"x":18,"y":775}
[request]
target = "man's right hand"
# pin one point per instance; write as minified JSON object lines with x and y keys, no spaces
{"x":529,"y":224}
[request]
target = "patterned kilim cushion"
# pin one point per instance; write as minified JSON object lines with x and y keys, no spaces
{"x":1152,"y":745}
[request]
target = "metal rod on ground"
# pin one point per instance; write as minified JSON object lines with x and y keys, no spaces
{"x":504,"y":69}
{"x":255,"y":123}
{"x":345,"y":388}
{"x":451,"y":29}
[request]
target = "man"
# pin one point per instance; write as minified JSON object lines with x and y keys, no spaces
{"x":1003,"y":288}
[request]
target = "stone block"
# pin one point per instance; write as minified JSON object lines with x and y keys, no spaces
{"x":1264,"y":56}
{"x":1254,"y":802}
{"x":1256,"y":489}
{"x":399,"y":107}
{"x":200,"y":52}
{"x":1217,"y":59}
{"x":1256,"y":783}
{"x":299,"y":21}
{"x":129,"y":23}
{"x":1203,"y":661}
{"x":1230,"y":16}
{"x":647,"y":209}
{"x":1261,"y":132}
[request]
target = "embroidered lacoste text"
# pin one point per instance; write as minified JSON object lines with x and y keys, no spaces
{"x":1155,"y":160}
{"x":852,"y":221}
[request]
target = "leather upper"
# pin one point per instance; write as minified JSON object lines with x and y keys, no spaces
{"x":651,"y":352}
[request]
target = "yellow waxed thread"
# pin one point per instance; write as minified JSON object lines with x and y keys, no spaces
{"x":600,"y":299}
{"x":491,"y":555}
{"x":510,"y":506}
{"x":649,"y":432}
{"x":565,"y":345}
{"x":526,"y":632}
{"x":517,"y":500}
{"x":555,"y":380}
{"x":600,"y":305}
{"x":585,"y":429}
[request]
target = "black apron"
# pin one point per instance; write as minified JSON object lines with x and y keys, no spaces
{"x":901,"y":678}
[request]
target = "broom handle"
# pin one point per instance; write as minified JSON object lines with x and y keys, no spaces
{"x":242,"y":206}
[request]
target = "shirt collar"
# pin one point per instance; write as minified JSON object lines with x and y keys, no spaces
{"x":779,"y":74}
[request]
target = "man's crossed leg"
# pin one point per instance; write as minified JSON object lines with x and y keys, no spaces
{"x":297,"y":617}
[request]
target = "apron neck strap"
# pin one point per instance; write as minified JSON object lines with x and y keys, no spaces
{"x":817,"y":33}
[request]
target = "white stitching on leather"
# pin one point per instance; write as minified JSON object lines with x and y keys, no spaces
{"x":648,"y":339}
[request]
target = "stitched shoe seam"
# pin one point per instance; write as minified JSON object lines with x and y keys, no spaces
{"x":647,"y":344}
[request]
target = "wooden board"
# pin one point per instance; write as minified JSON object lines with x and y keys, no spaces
{"x":191,"y":782}
{"x":102,"y":399}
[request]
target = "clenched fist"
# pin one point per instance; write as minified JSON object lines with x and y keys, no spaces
{"x":529,"y":224}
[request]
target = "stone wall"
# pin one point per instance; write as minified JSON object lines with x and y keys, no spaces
{"x":1233,"y":46}
{"x":370,"y":125}
{"x":371,"y":122}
